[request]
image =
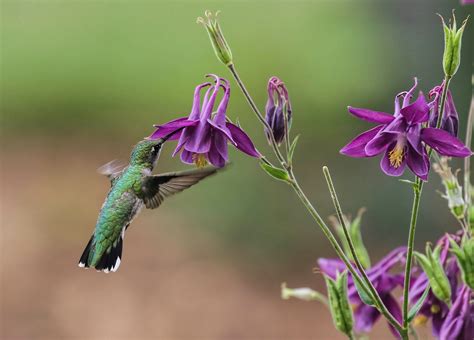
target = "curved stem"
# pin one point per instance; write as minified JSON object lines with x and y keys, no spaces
{"x":342,"y":221}
{"x":313,"y":212}
{"x":257,"y":113}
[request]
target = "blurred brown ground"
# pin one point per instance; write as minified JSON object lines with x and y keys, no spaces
{"x":174,"y":283}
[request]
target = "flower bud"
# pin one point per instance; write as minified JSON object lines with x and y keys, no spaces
{"x":433,"y":268}
{"x":306,"y":294}
{"x":277,"y":110}
{"x":221,"y":48}
{"x":356,"y":236}
{"x":465,"y":256}
{"x":452,"y":46}
{"x":339,"y":303}
{"x":453,"y":190}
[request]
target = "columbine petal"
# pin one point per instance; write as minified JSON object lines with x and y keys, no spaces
{"x":392,"y":305}
{"x":418,"y":112}
{"x":386,"y":165}
{"x":379,"y":143}
{"x":244,"y":143}
{"x":200,"y":140}
{"x":365,"y":318}
{"x":370,"y":115}
{"x":187,"y":157}
{"x":356,"y":147}
{"x":168,"y":128}
{"x":417,"y":163}
{"x":454,"y":322}
{"x":444,"y":143}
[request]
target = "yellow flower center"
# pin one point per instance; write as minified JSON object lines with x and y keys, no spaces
{"x":200,"y":160}
{"x":420,"y":320}
{"x":396,"y":155}
{"x":435,"y":309}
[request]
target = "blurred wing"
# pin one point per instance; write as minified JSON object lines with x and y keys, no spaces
{"x":112,"y":170}
{"x":155,"y":189}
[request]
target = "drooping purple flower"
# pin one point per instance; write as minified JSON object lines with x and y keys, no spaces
{"x":460,"y":319}
{"x":433,"y":308}
{"x":278,"y":105}
{"x":203,"y":135}
{"x":402,"y":138}
{"x":384,"y":282}
{"x":450,"y":119}
{"x":467,"y":2}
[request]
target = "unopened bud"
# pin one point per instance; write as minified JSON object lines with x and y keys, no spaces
{"x":221,"y":48}
{"x":433,"y":268}
{"x":278,"y":111}
{"x":452,"y":46}
{"x":465,"y":256}
{"x":453,"y":191}
{"x":339,"y":303}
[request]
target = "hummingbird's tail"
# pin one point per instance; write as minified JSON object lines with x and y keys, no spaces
{"x":108,"y":262}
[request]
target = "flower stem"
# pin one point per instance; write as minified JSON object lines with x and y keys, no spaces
{"x":417,"y":190}
{"x":312,"y":211}
{"x":467,"y":163}
{"x":260,"y":117}
{"x":342,"y":221}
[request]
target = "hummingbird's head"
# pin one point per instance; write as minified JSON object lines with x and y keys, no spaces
{"x":146,"y":152}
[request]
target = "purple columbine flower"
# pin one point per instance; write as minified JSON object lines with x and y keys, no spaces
{"x":402,"y":138}
{"x":278,"y":105}
{"x":459,"y":322}
{"x":433,"y":308}
{"x":450,"y":119}
{"x":203,"y":136}
{"x":383,"y":281}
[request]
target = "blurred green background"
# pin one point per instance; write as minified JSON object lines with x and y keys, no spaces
{"x":83,"y":81}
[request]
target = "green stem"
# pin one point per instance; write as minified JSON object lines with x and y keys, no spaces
{"x":417,"y":190}
{"x":342,"y":221}
{"x":467,"y":164}
{"x":313,"y":212}
{"x":260,"y":117}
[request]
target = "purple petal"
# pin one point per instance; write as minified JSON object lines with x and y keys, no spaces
{"x":454,"y":322}
{"x":371,"y":116}
{"x":195,"y":110}
{"x":418,"y":112}
{"x":244,"y":143}
{"x":379,"y":143}
{"x":219,"y":143}
{"x":396,"y":256}
{"x":331,"y":267}
{"x":417,"y":163}
{"x":200,"y":140}
{"x":174,"y":125}
{"x":356,"y":147}
{"x":219,"y":117}
{"x":215,"y":157}
{"x":387,"y":166}
{"x":414,"y":139}
{"x":409,"y":94}
{"x":222,"y":129}
{"x":444,"y":143}
{"x":365,"y":317}
{"x":187,"y":157}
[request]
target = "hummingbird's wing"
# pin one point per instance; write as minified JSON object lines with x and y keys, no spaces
{"x":112,"y":170}
{"x":155,"y":189}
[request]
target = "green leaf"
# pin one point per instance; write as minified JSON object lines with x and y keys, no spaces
{"x":277,"y":173}
{"x":416,"y":307}
{"x":292,"y":148}
{"x":366,"y":298}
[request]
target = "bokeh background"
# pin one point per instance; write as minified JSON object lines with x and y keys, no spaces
{"x":83,"y":81}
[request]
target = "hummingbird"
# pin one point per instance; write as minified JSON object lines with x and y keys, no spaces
{"x":132,"y":188}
